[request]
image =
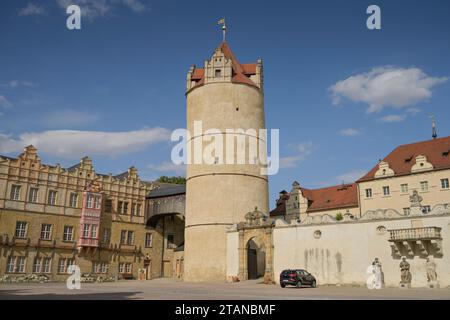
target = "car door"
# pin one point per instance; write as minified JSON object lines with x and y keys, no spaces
{"x":308,"y":277}
{"x":301,"y":276}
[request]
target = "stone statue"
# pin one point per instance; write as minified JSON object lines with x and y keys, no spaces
{"x":377,"y":264}
{"x":431,"y":270}
{"x":415,"y":199}
{"x":406,"y":276}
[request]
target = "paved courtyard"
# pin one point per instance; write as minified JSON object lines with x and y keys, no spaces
{"x":173,"y":290}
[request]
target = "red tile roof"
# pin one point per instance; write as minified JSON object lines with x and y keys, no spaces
{"x":403,"y":157}
{"x":241,"y":72}
{"x":335,"y":197}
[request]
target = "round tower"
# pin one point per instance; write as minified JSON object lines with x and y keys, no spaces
{"x":225,"y":102}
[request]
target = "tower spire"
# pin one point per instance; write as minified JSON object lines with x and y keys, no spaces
{"x":224,"y":28}
{"x":434,"y":132}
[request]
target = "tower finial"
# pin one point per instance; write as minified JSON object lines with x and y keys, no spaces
{"x":224,"y":28}
{"x":434,"y":131}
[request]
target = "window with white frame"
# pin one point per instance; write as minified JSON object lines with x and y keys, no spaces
{"x":445,"y":183}
{"x":47,"y":265}
{"x":94,"y":229}
{"x":106,"y":236}
{"x":404,"y":188}
{"x":128,"y":268}
{"x":68,"y":233}
{"x":368,"y":193}
{"x":10,"y":264}
{"x":37,"y":265}
{"x":20,"y":264}
{"x":33,"y":196}
{"x":21,"y":229}
{"x":100,"y":267}
{"x":15,"y":192}
{"x":424,"y":186}
{"x":123,"y":236}
{"x":64,"y":264}
{"x":122,"y":267}
{"x":73,"y":201}
{"x":97,"y":202}
{"x":148,"y":240}
{"x":46,"y":231}
{"x":86,"y":229}
{"x":130,"y":238}
{"x":52,"y":194}
{"x":89,"y":201}
{"x":386,"y":191}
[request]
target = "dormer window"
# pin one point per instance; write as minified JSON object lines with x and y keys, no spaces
{"x":217,"y":73}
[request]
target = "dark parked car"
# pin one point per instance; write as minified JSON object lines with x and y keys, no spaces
{"x":298,"y":278}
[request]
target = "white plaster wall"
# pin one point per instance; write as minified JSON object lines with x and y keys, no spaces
{"x":232,"y":254}
{"x":345,"y":250}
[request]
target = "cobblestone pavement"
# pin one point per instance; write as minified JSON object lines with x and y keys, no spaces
{"x":173,"y":290}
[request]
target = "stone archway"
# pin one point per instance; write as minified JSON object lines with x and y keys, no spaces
{"x":256,"y":258}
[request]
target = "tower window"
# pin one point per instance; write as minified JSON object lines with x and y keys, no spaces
{"x":217,"y":73}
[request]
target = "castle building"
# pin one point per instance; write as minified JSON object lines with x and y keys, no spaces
{"x":222,"y":95}
{"x":52,"y":217}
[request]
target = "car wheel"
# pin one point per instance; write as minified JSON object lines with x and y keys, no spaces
{"x":314,"y":284}
{"x":283,"y":285}
{"x":299,"y":284}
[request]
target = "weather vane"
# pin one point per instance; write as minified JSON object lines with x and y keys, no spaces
{"x":224,"y":28}
{"x":434,"y":134}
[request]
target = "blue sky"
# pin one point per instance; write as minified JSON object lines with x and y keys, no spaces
{"x":342,"y":96}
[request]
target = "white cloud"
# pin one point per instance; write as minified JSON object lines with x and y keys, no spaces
{"x":19,"y":83}
{"x":393,"y":118}
{"x":168,"y":167}
{"x":74,"y":143}
{"x":386,"y":87}
{"x":413,"y":111}
{"x":32,"y":10}
{"x":350,"y":132}
{"x":68,"y":118}
{"x":302,"y":151}
{"x":5,"y":102}
{"x":92,"y":9}
{"x":351,"y":176}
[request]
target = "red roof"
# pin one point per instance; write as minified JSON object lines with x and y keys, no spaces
{"x":336,"y":197}
{"x":241,"y":72}
{"x":403,"y":157}
{"x":342,"y":196}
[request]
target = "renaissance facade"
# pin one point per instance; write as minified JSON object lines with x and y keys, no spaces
{"x":53,"y":217}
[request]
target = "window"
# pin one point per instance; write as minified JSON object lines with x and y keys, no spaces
{"x":47,"y":265}
{"x":15,"y":192}
{"x":46,"y":231}
{"x":108,"y":205}
{"x":73,"y":200}
{"x":97,"y":202}
{"x":52,"y":197}
{"x":100,"y":267}
{"x":170,"y":241}
{"x":86,"y":228}
{"x":21,"y":229}
{"x":217,"y":73}
{"x":130,"y":239}
{"x":426,"y":209}
{"x":128,"y":267}
{"x":368,"y":193}
{"x":89,"y":201}
{"x":122,"y":207}
{"x":68,"y":233}
{"x":125,"y":267}
{"x":37,"y":265}
{"x":20,"y":264}
{"x":10,"y":264}
{"x":64,"y":264}
{"x":406,"y":211}
{"x":106,"y":236}
{"x":148,"y":240}
{"x":445,"y":183}
{"x":94,"y":231}
{"x":424,"y":186}
{"x":386,"y":191}
{"x":125,"y":208}
{"x":123,"y":236}
{"x":33,"y":196}
{"x":404,"y":188}
{"x":42,"y":265}
{"x":119,"y":206}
